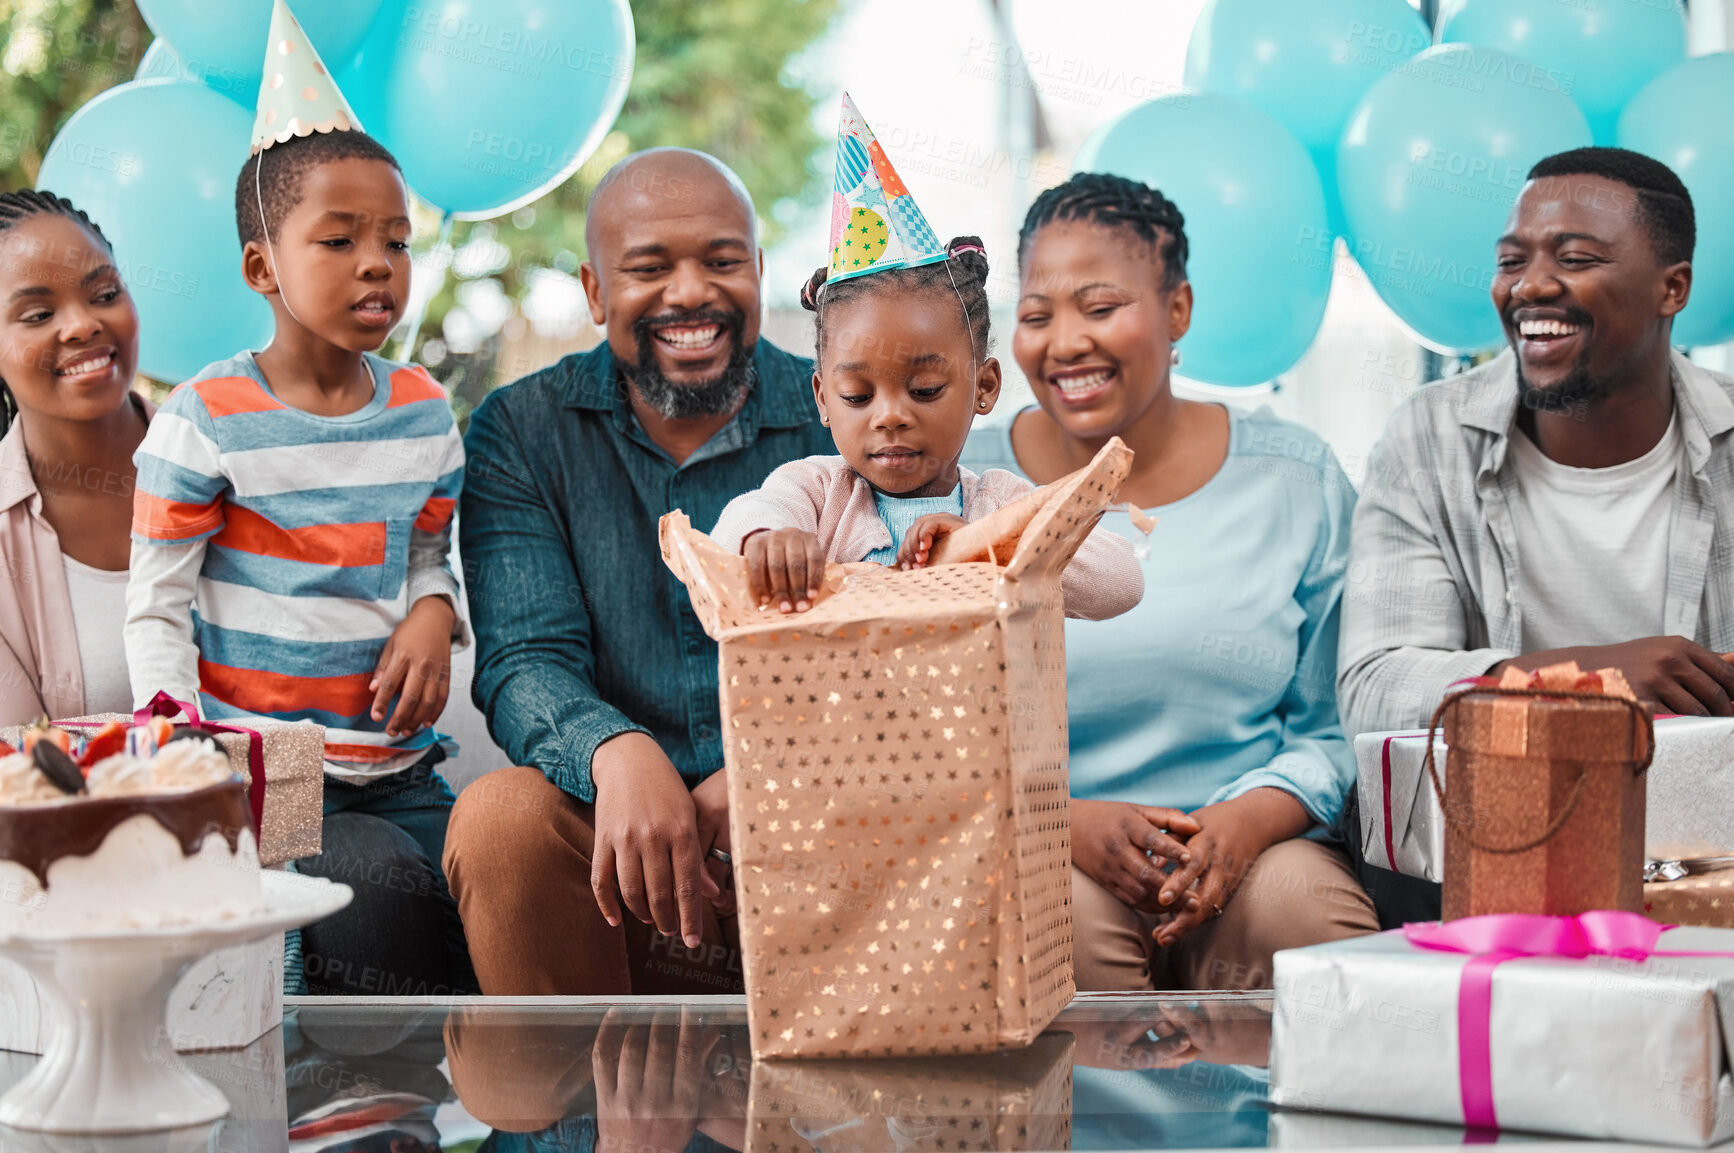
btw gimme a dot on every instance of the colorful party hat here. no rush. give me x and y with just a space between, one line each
874 222
298 96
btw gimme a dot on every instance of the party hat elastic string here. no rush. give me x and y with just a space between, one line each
297 97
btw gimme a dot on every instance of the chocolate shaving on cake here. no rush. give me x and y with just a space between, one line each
60 769
188 733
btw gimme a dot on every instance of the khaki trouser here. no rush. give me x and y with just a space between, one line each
518 861
1298 892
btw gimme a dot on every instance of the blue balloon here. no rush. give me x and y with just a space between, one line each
162 62
159 62
1306 62
1255 222
154 164
1428 169
488 105
1672 120
1601 54
222 42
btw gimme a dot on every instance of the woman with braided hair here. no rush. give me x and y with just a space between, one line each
68 350
1208 766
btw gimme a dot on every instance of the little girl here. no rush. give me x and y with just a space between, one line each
900 376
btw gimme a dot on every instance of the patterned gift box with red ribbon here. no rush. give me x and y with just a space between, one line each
1689 804
282 764
1601 1025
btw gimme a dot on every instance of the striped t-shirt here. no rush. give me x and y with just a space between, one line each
319 533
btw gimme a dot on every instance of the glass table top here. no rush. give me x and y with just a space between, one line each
492 1075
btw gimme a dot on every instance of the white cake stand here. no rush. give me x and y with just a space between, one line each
108 1064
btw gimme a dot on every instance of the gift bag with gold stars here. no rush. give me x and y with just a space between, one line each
898 797
930 1105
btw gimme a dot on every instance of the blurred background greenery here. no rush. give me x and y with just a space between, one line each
720 75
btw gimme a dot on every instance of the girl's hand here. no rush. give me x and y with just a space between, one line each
1123 847
918 542
416 663
785 567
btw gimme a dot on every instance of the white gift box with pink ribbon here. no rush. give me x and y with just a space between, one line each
1601 1026
1689 802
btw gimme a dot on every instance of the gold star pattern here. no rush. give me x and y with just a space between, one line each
898 777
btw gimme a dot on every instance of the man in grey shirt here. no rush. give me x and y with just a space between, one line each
1572 499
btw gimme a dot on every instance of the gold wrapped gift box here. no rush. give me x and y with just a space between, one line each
1706 899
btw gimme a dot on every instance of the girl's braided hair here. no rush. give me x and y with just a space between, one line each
962 275
16 207
1110 201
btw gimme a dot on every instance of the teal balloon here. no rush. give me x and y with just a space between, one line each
1428 169
1255 221
488 104
1699 147
1306 62
1601 52
161 62
221 43
154 164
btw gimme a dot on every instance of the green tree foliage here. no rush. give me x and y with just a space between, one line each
56 55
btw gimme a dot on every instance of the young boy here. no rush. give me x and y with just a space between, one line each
291 529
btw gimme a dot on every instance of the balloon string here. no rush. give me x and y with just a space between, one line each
419 305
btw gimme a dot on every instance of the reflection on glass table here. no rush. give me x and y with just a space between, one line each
550 1076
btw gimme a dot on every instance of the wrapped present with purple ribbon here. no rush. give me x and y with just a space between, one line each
1605 1025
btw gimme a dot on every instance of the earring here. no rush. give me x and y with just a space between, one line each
1174 357
982 405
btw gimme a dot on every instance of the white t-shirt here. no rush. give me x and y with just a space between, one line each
99 614
1592 544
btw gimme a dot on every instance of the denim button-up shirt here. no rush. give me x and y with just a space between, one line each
582 633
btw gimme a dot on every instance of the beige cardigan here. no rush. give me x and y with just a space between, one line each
39 668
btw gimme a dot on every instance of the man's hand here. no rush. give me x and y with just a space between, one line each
416 663
926 532
785 567
650 1071
1232 835
647 846
1112 842
1669 673
711 800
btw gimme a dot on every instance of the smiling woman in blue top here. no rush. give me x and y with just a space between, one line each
1204 732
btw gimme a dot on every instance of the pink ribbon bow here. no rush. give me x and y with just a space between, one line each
163 705
1493 940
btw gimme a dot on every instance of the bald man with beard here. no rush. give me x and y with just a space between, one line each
599 865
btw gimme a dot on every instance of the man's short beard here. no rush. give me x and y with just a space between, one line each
1577 391
711 397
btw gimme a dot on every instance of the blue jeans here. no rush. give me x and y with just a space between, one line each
401 935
